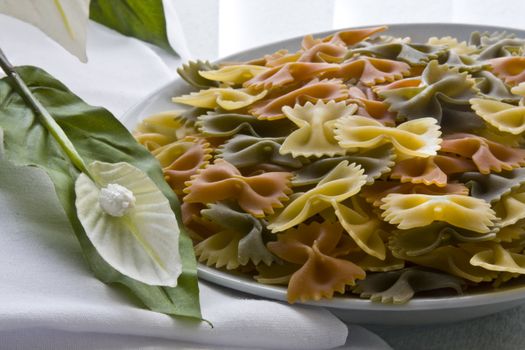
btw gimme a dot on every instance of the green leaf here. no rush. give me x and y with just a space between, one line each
142 19
97 135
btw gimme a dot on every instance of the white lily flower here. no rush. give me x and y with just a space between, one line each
64 21
130 222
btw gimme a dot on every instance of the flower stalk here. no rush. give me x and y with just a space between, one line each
45 117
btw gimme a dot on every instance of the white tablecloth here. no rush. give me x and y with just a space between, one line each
48 298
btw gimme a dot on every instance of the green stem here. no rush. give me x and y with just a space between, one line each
45 118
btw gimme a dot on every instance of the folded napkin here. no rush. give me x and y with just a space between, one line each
48 297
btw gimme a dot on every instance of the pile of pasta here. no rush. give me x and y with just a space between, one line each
362 163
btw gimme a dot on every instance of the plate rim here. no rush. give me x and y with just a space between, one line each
254 288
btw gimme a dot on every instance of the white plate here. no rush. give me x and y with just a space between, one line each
420 310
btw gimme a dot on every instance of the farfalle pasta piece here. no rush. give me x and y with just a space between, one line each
511 233
414 138
502 48
496 258
380 189
323 52
422 240
364 226
157 130
163 128
373 264
257 195
215 124
433 170
459 47
413 54
487 155
325 90
190 73
370 106
198 227
453 260
233 74
443 94
503 116
398 84
398 287
290 73
220 250
506 139
504 277
509 69
511 207
482 40
343 38
321 274
417 210
375 162
385 39
462 62
226 98
493 88
251 246
315 136
279 58
458 53
491 187
182 159
244 151
370 71
344 181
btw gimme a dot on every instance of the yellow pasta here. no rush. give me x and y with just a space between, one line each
496 258
236 74
227 98
417 210
315 135
503 116
415 138
341 183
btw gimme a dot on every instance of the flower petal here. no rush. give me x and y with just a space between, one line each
144 243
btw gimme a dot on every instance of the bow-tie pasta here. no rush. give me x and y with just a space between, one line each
496 258
503 116
180 160
233 75
325 90
356 157
433 170
315 136
380 189
258 194
230 124
510 69
322 273
413 54
442 94
415 138
487 155
417 210
227 98
397 287
370 71
191 73
290 73
341 183
375 162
